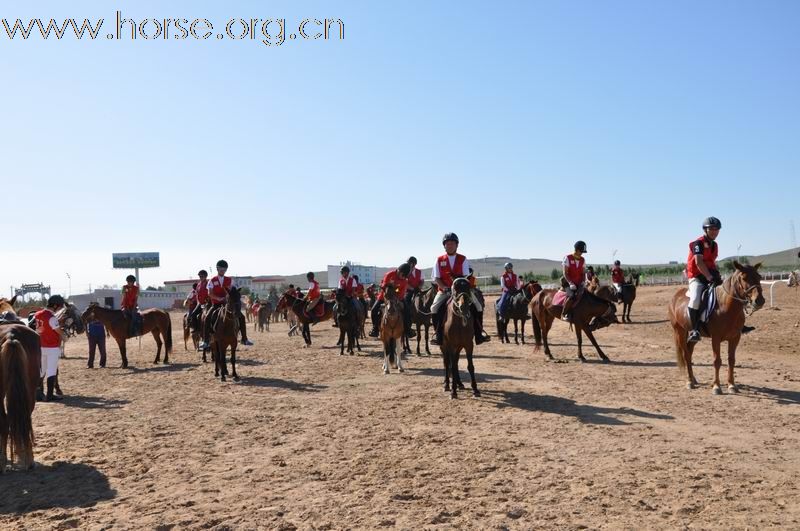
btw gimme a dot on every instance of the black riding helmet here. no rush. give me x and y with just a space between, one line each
344 269
310 275
222 263
405 269
580 245
412 260
55 300
202 273
130 278
712 223
450 236
616 262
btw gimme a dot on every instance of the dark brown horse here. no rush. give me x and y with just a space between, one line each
154 321
391 330
421 315
224 334
738 294
590 313
459 334
350 316
297 306
20 359
517 310
188 332
264 316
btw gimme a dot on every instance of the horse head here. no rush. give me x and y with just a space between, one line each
462 299
233 302
70 320
341 301
746 285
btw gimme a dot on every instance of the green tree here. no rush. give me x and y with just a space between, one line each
555 274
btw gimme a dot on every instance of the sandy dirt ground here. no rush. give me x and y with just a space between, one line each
313 440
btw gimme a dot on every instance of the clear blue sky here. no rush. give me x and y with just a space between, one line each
522 126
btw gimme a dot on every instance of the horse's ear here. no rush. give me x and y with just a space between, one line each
737 265
13 300
757 266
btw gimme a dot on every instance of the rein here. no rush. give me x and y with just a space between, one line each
749 305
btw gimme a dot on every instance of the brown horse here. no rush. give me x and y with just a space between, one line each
297 306
590 313
740 293
188 332
392 328
459 334
350 316
224 334
421 315
264 316
517 310
20 360
154 321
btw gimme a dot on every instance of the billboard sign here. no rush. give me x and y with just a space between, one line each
134 260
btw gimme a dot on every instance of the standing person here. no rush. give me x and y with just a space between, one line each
96 334
510 284
701 268
618 278
446 269
573 269
218 288
50 335
130 300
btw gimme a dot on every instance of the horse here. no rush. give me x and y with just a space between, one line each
590 313
421 315
516 309
459 334
392 328
739 294
794 279
154 320
248 305
593 285
350 314
20 362
264 316
297 305
188 332
225 333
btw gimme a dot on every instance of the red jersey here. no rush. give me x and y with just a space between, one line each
449 275
360 291
313 291
48 337
706 248
218 289
509 281
473 282
348 284
130 294
617 275
192 299
202 292
574 269
415 279
393 278
371 292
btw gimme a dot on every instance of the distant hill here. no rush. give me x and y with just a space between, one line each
785 258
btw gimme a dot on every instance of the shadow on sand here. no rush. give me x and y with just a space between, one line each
93 402
259 381
60 485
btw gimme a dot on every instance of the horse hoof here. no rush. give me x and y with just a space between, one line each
461 387
236 379
453 396
476 393
689 385
401 370
581 359
385 371
733 389
716 390
605 359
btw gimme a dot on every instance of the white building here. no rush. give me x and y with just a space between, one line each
366 274
112 298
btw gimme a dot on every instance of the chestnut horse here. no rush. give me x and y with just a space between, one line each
188 332
627 296
224 334
459 335
297 306
154 321
590 313
391 328
20 359
740 293
516 309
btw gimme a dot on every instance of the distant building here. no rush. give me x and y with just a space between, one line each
366 274
112 298
259 285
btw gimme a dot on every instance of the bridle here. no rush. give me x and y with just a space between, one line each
749 305
463 313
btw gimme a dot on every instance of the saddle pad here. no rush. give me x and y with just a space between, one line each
559 298
708 303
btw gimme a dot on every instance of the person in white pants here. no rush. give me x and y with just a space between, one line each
50 335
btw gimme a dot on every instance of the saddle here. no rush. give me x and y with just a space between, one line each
708 303
135 325
9 317
318 310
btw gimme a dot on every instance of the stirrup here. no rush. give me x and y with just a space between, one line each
694 336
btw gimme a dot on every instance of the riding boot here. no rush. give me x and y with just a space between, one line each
51 382
694 333
375 316
407 320
566 312
335 316
40 397
206 332
243 330
437 320
477 324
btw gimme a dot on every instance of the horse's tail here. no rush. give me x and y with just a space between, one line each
168 335
537 333
14 363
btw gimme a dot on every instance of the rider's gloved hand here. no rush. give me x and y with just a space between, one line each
572 286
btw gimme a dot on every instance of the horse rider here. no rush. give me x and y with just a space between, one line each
447 268
349 284
701 268
572 281
50 336
399 279
191 299
618 279
590 274
130 296
218 288
473 282
415 283
312 298
201 294
510 284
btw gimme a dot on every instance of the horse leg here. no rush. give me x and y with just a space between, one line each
454 375
3 431
715 346
688 350
122 352
732 344
427 344
545 331
341 340
223 365
400 357
600 353
158 346
579 335
419 337
233 362
385 357
307 334
516 333
471 369
523 331
446 362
